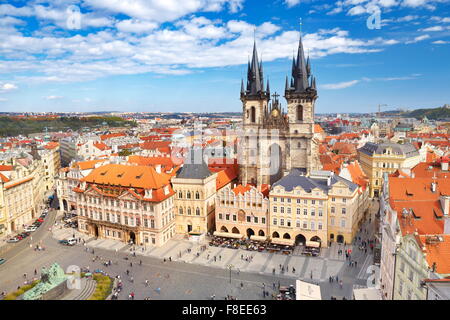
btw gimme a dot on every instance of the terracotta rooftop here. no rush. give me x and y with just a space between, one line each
437 252
144 177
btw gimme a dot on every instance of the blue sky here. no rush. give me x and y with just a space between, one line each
190 55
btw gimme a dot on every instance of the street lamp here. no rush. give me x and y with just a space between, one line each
230 266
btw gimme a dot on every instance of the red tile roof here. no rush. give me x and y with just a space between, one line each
112 135
438 252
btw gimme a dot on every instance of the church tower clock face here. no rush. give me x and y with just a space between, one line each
275 113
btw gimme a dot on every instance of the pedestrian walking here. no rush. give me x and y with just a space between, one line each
242 285
213 297
140 262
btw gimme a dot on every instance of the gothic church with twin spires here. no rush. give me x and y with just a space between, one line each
275 142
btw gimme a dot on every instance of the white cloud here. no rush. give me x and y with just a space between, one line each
8 87
407 18
414 3
340 85
53 97
144 44
418 39
441 19
356 11
10 21
292 3
136 26
7 9
163 10
440 42
432 29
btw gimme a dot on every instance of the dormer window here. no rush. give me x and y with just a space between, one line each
148 193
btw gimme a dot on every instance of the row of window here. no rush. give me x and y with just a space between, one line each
288 210
298 224
188 195
127 204
117 218
189 211
249 219
305 201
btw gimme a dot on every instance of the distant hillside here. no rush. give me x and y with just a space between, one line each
432 114
13 126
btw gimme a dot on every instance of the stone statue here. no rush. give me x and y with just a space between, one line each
50 278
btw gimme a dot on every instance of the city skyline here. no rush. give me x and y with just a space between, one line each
191 56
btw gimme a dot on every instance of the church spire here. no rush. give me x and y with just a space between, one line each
255 76
308 67
300 73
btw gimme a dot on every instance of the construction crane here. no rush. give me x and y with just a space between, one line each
379 109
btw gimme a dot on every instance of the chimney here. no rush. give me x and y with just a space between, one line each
433 187
158 168
444 165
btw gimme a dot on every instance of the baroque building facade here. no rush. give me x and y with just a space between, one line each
274 142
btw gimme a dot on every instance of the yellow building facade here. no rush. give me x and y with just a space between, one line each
377 159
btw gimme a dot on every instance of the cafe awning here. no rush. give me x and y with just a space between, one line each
314 244
258 238
228 235
284 242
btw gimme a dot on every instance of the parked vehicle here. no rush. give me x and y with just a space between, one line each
13 240
31 228
68 242
2 261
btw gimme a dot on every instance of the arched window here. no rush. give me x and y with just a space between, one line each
189 211
197 195
188 195
180 194
197 211
181 210
299 113
253 114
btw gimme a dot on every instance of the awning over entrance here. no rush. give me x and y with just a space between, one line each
258 238
228 235
314 244
284 242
